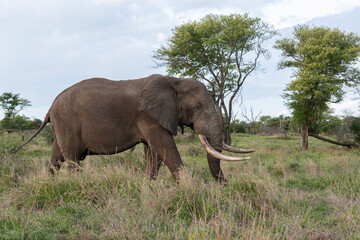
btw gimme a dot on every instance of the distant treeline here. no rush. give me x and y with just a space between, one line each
19 123
346 128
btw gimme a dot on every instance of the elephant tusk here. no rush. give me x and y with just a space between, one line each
236 150
204 142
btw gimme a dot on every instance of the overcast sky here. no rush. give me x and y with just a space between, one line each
46 46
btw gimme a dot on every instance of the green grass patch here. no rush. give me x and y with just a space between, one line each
280 193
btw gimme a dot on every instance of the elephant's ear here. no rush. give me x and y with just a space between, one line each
158 99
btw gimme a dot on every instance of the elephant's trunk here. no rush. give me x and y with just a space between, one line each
212 136
212 142
208 127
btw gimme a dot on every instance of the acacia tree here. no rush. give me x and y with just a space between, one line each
12 104
323 61
219 50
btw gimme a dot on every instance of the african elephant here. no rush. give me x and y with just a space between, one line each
100 116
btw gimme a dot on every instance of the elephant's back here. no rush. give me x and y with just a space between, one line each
105 86
96 89
85 85
96 97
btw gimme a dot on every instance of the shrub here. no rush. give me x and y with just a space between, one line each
19 123
239 128
355 128
48 134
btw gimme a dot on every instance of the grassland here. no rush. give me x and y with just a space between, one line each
281 193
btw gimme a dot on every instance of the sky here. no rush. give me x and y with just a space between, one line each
48 45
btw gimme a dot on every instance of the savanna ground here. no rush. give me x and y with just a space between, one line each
280 193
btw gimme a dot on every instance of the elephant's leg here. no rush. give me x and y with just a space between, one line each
152 162
56 158
162 144
73 161
72 151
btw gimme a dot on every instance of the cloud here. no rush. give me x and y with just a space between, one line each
102 2
287 13
198 13
267 105
347 105
46 46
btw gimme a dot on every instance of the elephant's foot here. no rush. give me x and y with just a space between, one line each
73 167
53 170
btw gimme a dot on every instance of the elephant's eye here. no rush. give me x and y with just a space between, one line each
198 107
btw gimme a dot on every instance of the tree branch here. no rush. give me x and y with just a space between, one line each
349 145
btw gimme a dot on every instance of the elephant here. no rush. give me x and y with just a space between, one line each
100 116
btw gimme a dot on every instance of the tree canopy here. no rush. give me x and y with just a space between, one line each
323 60
219 50
12 104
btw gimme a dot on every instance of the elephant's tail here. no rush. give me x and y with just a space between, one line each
46 120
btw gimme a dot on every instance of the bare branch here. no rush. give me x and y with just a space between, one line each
252 119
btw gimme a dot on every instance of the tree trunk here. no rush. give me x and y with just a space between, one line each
234 129
283 134
226 119
227 134
349 145
304 137
222 121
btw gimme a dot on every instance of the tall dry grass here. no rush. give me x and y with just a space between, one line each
280 193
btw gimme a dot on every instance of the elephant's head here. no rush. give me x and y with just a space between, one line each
174 101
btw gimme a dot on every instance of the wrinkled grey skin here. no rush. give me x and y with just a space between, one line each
100 116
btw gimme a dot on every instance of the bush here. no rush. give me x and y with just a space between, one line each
355 128
239 128
48 134
19 123
332 125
